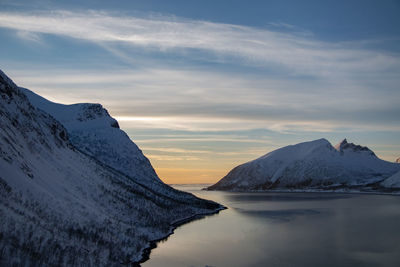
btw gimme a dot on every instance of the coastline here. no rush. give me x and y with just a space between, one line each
332 191
145 256
175 224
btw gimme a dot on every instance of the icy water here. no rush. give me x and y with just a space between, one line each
287 229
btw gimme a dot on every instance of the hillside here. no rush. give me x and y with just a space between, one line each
62 206
310 165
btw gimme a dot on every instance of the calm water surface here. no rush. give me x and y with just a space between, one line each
287 229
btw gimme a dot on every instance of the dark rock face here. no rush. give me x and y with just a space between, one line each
17 112
344 145
115 125
92 111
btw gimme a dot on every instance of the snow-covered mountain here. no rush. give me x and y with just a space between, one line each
393 181
316 164
95 132
60 205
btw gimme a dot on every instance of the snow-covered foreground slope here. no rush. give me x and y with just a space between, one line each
59 206
316 164
94 131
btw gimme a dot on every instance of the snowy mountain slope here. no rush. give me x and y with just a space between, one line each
59 206
393 181
315 164
94 131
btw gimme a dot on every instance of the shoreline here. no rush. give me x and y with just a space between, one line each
394 193
174 225
177 223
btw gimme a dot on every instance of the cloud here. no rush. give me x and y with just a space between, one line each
198 100
173 158
300 83
210 86
30 36
175 150
297 53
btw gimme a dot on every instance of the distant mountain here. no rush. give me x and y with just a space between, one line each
61 203
310 165
398 160
393 181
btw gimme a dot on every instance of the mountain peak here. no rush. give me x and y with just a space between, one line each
341 144
6 80
74 116
314 164
345 146
92 130
89 111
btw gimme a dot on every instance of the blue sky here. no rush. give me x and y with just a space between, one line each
202 86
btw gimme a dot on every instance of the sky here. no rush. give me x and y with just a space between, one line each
202 86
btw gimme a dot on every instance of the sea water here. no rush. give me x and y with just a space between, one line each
287 229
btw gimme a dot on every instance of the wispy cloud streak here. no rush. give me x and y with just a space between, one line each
343 92
201 100
296 52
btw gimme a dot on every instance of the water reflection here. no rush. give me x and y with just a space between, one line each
287 229
278 215
257 197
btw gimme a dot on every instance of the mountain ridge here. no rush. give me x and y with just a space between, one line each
95 132
62 207
313 164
